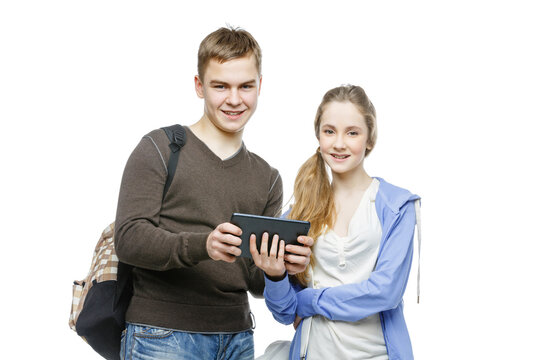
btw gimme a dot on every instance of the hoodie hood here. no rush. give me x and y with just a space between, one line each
393 196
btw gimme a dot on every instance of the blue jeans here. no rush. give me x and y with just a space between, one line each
140 342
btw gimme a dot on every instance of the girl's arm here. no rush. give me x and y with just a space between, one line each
382 291
280 298
278 293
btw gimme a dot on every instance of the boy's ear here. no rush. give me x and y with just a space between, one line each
199 87
260 84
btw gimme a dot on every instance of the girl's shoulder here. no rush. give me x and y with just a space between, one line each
393 196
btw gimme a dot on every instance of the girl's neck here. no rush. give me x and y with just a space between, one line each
358 180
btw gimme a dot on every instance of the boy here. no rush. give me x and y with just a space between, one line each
190 288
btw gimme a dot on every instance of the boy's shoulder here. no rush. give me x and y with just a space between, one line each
258 160
158 137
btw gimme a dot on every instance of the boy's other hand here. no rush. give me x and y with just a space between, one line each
223 241
298 258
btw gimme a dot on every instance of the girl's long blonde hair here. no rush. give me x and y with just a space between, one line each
313 193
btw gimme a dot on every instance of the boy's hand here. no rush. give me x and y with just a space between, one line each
298 259
272 264
223 242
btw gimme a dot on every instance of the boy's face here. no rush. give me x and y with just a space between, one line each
230 91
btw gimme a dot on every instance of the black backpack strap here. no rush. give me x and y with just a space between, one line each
177 137
124 289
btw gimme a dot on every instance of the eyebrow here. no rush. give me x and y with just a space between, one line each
354 127
219 82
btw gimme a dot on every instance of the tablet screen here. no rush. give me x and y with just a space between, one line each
287 229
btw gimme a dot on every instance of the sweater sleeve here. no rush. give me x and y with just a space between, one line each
383 290
139 240
272 208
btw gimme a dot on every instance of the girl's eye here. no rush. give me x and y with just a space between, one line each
353 133
328 131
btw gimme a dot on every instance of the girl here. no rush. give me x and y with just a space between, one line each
348 303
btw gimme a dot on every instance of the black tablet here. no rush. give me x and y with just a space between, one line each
287 229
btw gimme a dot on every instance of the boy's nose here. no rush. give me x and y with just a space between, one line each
234 98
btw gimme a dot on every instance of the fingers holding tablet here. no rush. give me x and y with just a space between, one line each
272 263
222 243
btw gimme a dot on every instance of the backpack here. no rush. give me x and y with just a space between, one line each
101 299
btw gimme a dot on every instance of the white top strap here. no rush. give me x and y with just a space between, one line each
304 337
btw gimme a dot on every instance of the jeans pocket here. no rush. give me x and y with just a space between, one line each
152 343
149 332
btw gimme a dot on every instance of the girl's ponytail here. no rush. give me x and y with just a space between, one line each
314 201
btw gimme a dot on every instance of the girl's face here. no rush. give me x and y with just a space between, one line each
343 137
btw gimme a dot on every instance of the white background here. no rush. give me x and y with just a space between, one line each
456 87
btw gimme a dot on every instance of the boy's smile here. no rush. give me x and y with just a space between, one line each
230 91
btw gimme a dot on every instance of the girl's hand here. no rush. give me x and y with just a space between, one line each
297 321
272 264
297 259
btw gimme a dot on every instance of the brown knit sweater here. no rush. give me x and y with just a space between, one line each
176 284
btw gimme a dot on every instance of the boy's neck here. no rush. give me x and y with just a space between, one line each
223 144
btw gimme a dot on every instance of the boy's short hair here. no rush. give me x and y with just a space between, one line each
226 44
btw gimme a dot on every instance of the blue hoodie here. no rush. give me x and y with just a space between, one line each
381 293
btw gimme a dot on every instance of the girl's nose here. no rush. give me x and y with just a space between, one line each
339 143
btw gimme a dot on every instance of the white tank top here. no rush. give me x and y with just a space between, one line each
346 260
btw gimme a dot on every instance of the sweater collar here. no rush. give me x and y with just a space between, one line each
230 161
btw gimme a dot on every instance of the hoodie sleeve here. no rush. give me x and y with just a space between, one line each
383 290
280 298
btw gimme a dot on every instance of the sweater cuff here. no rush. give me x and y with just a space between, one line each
196 248
307 302
276 290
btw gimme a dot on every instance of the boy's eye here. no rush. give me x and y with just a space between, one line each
247 86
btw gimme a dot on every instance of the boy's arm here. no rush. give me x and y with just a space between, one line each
382 291
137 217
